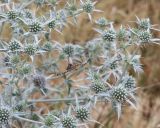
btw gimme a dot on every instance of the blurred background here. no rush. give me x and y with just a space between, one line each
121 12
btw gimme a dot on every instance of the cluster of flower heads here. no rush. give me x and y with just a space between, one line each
104 62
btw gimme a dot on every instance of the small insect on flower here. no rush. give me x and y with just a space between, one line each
68 122
109 35
4 115
82 114
144 36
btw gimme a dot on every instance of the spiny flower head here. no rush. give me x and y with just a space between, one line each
121 34
129 82
68 122
14 45
82 114
4 115
71 7
52 24
12 15
109 35
25 69
102 22
39 81
119 94
144 24
144 36
15 59
30 49
35 27
48 46
98 86
88 6
49 120
68 50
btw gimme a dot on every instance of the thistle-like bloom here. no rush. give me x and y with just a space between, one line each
14 59
102 22
30 49
128 82
4 115
119 95
98 86
68 122
144 36
71 8
144 24
89 7
82 114
14 46
109 35
122 34
49 121
135 62
48 46
12 15
35 27
25 70
68 49
39 81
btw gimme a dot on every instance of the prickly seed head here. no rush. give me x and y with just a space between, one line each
68 122
35 27
82 114
109 35
119 94
39 81
4 115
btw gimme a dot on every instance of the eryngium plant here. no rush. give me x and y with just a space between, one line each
31 64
